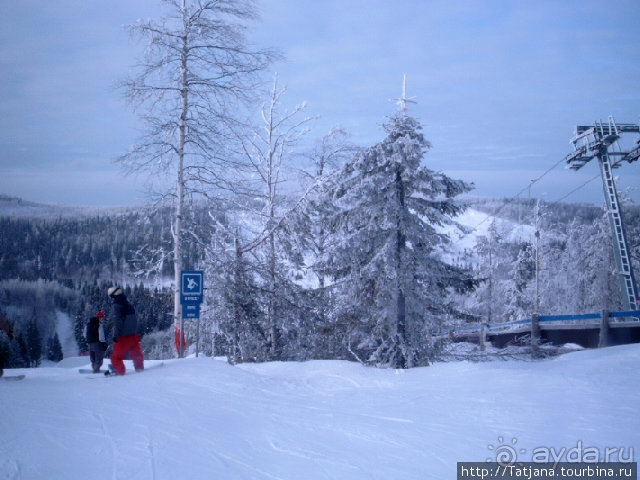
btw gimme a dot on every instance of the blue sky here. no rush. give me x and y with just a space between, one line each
500 85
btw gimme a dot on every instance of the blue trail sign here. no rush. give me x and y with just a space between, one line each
191 292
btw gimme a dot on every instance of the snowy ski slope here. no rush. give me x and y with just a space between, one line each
204 419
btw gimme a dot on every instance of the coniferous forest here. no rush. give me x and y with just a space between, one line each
368 264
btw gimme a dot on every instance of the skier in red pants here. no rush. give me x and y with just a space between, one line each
125 333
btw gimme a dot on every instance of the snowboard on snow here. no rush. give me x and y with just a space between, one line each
9 378
111 372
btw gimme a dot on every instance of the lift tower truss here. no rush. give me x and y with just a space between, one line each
600 141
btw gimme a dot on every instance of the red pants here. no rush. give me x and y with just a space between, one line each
129 344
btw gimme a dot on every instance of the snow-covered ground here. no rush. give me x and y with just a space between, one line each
478 224
204 419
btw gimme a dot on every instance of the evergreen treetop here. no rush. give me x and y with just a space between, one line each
386 236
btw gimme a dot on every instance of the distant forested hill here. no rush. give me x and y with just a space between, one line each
55 266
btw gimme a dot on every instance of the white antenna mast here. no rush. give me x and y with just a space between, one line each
404 100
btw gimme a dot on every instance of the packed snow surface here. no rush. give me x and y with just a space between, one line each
205 419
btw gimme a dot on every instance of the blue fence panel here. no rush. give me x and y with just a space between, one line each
585 316
628 313
506 324
469 329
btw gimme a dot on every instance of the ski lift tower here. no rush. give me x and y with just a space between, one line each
600 141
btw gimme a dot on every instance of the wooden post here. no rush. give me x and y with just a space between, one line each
482 340
603 340
198 337
535 335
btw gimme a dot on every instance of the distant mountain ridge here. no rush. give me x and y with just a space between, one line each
11 206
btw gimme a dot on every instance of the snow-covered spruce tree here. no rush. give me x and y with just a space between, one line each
553 288
313 218
390 285
54 349
245 322
329 154
590 268
19 353
198 68
233 322
79 324
491 250
518 288
34 344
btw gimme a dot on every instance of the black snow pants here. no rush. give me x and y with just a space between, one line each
96 354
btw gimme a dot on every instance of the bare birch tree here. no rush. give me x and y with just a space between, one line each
197 68
266 152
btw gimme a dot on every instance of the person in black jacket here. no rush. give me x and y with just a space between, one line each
97 340
125 333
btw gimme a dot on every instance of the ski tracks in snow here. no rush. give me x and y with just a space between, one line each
112 443
11 470
151 448
150 445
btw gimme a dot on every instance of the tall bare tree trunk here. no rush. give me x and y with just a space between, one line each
273 328
196 68
177 239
